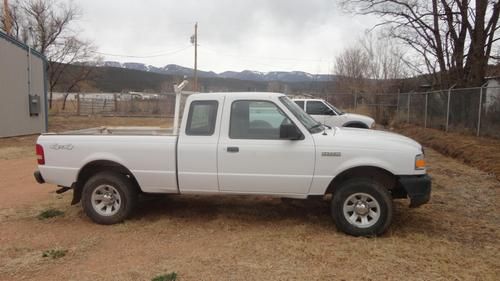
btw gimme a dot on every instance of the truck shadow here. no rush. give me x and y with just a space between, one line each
261 210
243 208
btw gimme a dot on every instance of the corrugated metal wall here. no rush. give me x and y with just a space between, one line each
15 118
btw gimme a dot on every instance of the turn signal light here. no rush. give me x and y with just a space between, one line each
419 162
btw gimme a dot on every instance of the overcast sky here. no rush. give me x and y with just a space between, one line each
262 35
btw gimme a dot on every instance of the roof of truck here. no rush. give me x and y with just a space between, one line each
307 99
247 95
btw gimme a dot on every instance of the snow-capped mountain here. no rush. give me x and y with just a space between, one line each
173 69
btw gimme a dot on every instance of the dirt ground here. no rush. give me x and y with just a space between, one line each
454 237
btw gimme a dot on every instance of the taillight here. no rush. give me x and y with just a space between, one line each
40 156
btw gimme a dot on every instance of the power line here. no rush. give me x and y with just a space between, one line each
144 56
266 58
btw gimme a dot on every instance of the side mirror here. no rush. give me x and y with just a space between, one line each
330 112
290 132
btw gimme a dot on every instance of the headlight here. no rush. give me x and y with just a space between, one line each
419 162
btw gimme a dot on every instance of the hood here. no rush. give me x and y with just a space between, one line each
365 119
369 139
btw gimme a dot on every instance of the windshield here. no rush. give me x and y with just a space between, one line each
312 125
338 111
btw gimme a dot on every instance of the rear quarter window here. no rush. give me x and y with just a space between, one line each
201 118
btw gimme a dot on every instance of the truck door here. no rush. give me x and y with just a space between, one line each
197 146
253 158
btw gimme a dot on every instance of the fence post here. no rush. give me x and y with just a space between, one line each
426 103
78 104
116 103
448 108
408 116
397 105
480 108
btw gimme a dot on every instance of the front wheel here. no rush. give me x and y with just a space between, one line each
108 198
362 207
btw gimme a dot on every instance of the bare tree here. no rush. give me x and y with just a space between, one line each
386 59
74 52
371 65
46 26
454 38
351 68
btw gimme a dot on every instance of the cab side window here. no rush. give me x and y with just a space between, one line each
317 108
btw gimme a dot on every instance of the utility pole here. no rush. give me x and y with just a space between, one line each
6 14
195 56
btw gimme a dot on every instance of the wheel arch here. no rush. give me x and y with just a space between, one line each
96 166
381 175
355 124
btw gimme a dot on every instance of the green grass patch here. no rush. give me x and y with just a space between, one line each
172 276
54 254
49 213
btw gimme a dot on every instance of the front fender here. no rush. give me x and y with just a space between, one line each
325 174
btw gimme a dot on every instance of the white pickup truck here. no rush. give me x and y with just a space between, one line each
327 114
239 143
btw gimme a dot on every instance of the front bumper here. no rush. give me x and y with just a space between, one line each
418 189
38 177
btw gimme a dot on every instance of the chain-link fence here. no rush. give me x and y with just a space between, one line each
469 110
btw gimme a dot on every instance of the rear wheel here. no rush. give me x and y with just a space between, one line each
108 198
362 207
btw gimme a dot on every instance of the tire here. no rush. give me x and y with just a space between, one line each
108 198
362 207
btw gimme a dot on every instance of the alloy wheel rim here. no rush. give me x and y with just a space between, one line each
361 210
106 200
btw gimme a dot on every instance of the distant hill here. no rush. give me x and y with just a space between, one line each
173 69
117 77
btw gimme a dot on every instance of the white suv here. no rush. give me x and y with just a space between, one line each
327 114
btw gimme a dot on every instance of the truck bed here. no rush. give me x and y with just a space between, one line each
120 131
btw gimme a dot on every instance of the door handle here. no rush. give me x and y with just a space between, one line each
233 149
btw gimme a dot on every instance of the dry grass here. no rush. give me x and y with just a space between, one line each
483 153
454 237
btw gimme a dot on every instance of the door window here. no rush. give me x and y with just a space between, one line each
317 108
256 120
201 118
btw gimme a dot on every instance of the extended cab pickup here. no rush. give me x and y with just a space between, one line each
239 143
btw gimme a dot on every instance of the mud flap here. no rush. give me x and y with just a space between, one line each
77 193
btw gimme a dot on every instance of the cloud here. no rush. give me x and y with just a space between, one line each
233 35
